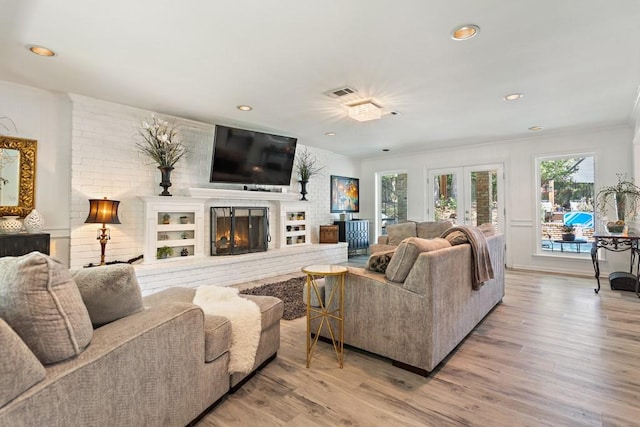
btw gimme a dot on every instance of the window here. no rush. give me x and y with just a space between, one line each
393 199
565 204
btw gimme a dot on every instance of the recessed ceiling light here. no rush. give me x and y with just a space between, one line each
513 96
41 50
535 128
244 107
330 133
465 32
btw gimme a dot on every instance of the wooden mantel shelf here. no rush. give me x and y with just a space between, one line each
216 193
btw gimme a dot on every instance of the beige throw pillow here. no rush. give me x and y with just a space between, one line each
42 304
109 292
407 253
398 232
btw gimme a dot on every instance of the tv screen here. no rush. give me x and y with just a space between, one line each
247 157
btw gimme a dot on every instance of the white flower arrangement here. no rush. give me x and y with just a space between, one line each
159 142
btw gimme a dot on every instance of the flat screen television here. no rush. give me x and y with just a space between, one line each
243 156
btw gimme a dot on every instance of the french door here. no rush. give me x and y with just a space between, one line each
470 195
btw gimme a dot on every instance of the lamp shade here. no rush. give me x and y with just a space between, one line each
103 211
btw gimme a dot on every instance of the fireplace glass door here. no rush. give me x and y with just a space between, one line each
239 230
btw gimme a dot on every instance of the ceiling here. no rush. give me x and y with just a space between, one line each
577 62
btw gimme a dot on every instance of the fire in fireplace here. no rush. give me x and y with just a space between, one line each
239 230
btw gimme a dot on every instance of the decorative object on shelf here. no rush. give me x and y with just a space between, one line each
184 235
10 225
306 167
184 220
166 219
159 144
624 197
184 252
345 194
164 252
34 222
163 236
616 227
568 233
103 211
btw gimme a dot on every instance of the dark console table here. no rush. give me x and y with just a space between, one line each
22 244
617 243
355 233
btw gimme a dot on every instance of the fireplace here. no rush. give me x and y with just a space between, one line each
239 230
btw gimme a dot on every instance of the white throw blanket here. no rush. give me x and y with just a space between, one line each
245 319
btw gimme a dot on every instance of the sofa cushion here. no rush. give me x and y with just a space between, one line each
407 253
398 232
42 304
431 229
19 367
379 261
109 292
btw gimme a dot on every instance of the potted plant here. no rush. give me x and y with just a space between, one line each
160 145
568 233
306 167
624 197
164 252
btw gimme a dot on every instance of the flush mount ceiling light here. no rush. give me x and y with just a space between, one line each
244 107
364 111
41 50
465 32
330 133
535 128
513 96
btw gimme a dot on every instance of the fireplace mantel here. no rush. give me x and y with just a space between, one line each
217 193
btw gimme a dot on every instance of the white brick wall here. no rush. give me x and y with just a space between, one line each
105 162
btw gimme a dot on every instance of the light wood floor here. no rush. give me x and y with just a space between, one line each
552 354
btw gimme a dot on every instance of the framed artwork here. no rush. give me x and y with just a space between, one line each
345 194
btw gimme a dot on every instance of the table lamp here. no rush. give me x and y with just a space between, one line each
103 211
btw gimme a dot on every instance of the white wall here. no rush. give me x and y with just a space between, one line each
45 116
614 154
105 162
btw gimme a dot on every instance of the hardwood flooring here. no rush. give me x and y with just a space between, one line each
552 354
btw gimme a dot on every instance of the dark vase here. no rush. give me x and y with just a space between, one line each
303 190
166 179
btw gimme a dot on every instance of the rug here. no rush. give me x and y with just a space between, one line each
290 292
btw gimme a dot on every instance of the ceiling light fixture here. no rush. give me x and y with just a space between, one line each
244 107
364 111
330 133
385 149
535 128
41 50
465 32
513 96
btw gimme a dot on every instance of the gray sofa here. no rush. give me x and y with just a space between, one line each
418 322
160 362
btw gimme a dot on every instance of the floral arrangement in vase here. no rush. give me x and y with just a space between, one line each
160 143
306 167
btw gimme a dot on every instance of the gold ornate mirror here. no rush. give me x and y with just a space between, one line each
17 175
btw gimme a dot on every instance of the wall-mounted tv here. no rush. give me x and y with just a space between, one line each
247 157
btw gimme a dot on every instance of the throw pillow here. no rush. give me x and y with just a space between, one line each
110 292
19 367
431 229
457 238
42 304
378 261
407 253
488 229
398 232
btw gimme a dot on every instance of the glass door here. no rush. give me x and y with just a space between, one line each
470 195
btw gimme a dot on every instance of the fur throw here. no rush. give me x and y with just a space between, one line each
245 318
